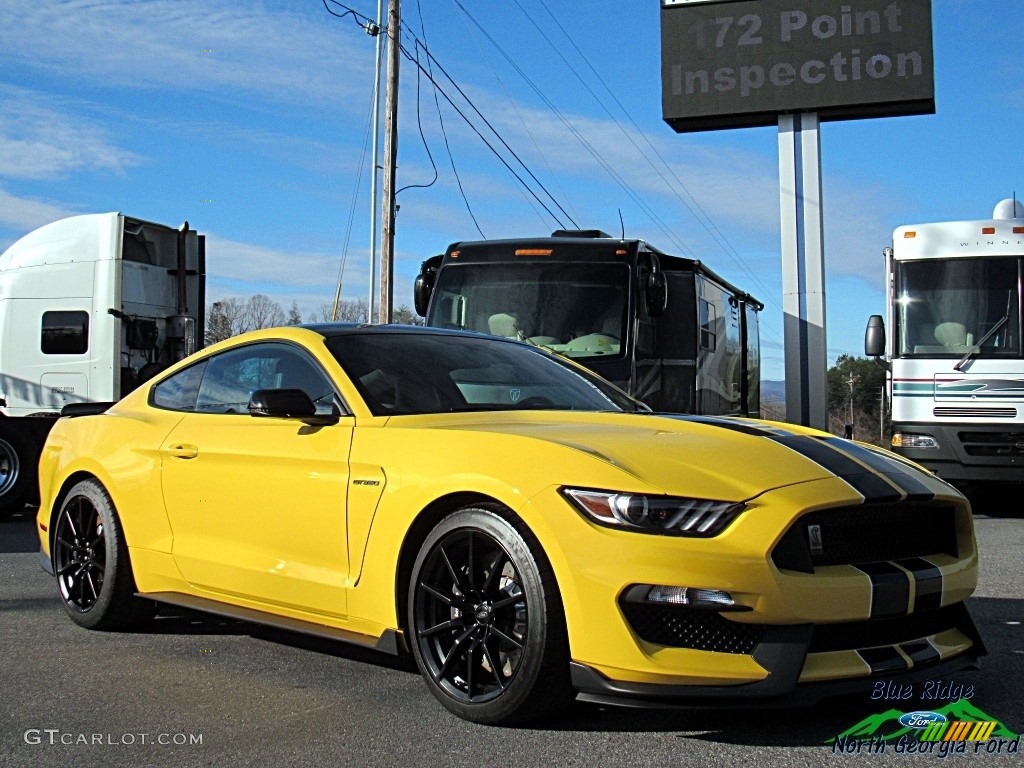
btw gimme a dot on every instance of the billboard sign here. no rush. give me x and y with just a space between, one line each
741 63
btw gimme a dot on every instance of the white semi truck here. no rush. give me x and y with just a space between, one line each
90 307
954 353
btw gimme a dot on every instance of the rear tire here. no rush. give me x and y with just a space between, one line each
485 620
90 561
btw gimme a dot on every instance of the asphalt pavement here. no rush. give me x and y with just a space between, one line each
196 690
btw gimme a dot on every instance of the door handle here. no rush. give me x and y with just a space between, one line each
183 450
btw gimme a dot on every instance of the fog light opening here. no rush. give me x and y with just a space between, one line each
693 597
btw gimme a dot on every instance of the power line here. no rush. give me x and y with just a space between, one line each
439 89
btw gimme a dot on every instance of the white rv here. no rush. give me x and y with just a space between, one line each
90 307
954 349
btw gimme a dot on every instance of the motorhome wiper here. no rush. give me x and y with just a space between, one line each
977 347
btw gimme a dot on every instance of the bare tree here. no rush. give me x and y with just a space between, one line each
406 316
263 312
232 316
349 311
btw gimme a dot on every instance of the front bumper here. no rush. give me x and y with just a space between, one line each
975 453
790 655
883 596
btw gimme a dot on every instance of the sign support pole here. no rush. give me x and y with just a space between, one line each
803 269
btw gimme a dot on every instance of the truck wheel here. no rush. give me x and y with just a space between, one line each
15 473
90 560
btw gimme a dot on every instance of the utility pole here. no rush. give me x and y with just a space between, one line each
375 32
387 263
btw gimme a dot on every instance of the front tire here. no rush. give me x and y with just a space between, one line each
485 620
90 560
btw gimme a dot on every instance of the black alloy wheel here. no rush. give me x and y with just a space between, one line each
485 620
80 554
90 561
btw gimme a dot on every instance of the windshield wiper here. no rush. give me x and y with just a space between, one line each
977 347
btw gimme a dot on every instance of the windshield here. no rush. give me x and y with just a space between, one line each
412 373
947 307
577 309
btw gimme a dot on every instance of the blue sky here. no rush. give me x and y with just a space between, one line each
250 120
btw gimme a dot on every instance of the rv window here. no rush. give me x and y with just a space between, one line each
708 335
65 333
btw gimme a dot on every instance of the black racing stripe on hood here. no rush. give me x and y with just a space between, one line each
891 468
875 477
746 427
868 484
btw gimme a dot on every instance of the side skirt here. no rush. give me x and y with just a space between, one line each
391 642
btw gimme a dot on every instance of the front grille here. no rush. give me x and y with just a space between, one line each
681 627
972 413
892 631
867 534
1009 445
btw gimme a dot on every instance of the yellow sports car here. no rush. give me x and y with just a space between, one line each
526 530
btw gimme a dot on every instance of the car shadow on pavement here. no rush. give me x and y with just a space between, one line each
18 532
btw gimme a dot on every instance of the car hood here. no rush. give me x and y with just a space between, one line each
747 456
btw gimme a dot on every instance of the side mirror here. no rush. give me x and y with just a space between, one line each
286 404
656 294
424 284
874 337
421 291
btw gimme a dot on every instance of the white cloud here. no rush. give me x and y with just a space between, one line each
22 215
41 137
191 45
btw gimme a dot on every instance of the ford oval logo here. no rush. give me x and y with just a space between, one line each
921 719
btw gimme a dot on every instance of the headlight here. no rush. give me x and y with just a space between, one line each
671 515
910 440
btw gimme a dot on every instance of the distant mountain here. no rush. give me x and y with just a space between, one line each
773 391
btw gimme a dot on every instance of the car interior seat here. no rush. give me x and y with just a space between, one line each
505 325
612 326
951 334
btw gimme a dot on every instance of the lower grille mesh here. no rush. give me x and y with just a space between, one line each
680 627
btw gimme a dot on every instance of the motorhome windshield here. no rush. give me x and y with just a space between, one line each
958 307
577 309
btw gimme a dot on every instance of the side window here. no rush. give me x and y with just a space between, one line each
232 377
179 392
708 337
65 333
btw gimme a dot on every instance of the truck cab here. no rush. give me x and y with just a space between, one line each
91 306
